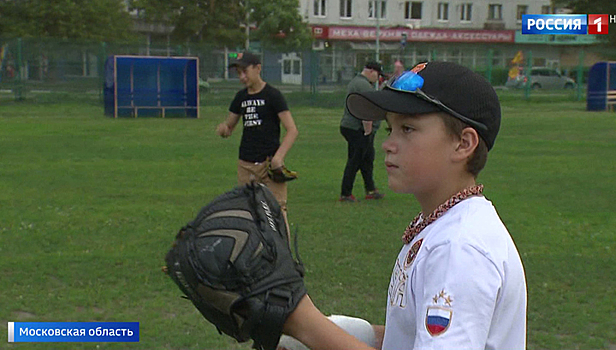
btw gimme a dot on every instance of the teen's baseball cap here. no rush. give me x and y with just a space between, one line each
245 59
455 86
374 65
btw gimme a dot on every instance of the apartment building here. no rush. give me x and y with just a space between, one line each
476 33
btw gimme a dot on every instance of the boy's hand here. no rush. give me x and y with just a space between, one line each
367 127
223 130
276 162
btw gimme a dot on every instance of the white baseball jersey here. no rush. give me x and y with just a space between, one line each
458 285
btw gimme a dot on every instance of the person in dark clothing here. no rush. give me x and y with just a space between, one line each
360 138
262 109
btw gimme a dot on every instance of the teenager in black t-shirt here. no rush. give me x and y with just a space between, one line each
262 109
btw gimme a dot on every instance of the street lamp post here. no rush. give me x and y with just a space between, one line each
378 28
247 44
378 37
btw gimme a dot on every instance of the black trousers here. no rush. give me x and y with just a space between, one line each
360 157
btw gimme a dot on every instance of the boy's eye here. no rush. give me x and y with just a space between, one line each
406 129
388 129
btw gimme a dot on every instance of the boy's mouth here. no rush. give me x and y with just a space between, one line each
390 165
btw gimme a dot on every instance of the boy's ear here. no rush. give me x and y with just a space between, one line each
469 140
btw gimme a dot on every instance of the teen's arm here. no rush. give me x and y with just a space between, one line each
363 87
357 327
308 325
287 141
225 129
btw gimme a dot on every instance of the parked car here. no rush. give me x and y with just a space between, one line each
542 78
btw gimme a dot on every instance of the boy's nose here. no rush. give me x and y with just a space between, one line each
388 146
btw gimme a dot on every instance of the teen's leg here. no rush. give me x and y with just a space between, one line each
245 172
367 165
354 158
248 171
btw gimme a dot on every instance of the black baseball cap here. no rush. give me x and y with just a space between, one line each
245 59
455 86
375 65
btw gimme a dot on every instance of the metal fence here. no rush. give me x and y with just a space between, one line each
34 67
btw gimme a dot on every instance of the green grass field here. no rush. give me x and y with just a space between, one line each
90 205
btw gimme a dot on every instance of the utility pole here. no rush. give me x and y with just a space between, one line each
378 37
378 28
247 44
247 24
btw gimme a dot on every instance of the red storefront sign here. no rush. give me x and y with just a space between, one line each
429 35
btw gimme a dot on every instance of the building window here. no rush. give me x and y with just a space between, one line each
380 6
443 11
545 10
412 10
346 7
454 55
297 67
466 12
495 12
522 10
319 8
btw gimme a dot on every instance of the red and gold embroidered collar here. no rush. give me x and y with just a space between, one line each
419 223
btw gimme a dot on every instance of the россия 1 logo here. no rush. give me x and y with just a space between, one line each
598 24
566 24
554 24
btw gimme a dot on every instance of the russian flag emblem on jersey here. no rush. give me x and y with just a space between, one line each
437 320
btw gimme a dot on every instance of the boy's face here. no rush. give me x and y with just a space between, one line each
418 151
249 76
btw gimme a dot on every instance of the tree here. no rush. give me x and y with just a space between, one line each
67 19
198 20
277 23
280 25
598 7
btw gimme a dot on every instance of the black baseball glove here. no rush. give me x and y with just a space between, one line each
235 264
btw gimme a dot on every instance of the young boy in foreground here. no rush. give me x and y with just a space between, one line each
458 281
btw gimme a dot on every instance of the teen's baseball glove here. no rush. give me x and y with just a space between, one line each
281 174
235 264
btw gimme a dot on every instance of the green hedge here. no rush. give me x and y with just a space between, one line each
499 75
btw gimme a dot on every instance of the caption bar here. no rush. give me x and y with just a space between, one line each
35 332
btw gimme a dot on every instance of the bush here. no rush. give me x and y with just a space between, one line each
499 75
